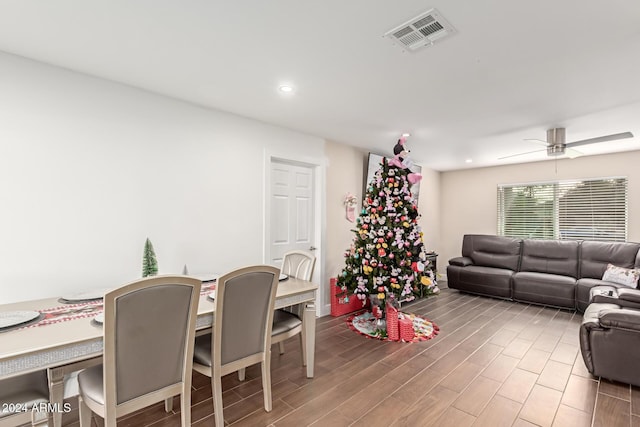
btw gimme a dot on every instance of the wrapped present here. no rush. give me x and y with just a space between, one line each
405 325
343 303
393 331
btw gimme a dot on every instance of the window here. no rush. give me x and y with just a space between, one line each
593 209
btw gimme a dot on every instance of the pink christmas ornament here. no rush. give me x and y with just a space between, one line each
414 178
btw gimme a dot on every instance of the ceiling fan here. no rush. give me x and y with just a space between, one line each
556 145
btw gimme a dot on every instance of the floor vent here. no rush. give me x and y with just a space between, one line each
423 30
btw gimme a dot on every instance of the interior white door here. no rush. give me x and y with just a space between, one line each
292 209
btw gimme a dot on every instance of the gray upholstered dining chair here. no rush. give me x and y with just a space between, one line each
18 395
288 323
241 332
149 331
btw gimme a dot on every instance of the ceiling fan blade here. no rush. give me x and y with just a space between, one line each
614 137
521 154
537 141
572 154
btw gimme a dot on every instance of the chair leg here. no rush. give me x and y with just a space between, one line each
168 404
216 385
241 374
39 418
266 380
185 408
281 344
303 347
84 413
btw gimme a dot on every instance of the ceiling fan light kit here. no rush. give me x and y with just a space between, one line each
556 138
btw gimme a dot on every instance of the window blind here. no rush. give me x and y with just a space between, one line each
592 209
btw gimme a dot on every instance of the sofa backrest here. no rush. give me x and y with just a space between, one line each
550 256
492 251
595 256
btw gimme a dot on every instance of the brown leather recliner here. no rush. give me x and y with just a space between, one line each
610 334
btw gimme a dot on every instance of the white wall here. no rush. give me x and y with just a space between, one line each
345 174
89 169
429 208
469 197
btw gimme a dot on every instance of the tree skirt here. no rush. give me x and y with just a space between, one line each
364 323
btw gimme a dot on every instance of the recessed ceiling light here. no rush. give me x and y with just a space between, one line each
406 135
286 88
469 161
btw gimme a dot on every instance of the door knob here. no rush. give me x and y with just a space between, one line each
312 248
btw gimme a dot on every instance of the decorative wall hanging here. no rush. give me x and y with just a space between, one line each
350 203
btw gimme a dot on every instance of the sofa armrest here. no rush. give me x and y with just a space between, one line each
624 297
631 295
591 323
591 317
461 261
610 316
620 319
607 335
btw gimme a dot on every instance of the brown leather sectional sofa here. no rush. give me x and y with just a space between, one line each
557 273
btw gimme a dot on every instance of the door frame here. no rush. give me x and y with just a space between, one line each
319 194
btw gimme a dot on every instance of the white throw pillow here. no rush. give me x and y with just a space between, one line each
622 276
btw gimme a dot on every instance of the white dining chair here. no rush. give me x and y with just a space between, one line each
287 323
149 333
19 394
298 264
241 335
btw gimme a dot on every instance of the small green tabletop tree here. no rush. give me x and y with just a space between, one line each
149 261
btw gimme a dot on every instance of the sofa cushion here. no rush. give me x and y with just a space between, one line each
480 280
543 288
595 256
550 256
492 251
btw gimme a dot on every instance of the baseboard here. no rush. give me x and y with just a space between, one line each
325 310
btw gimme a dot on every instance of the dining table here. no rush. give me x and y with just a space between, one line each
66 338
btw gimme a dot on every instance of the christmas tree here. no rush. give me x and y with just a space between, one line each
149 262
387 257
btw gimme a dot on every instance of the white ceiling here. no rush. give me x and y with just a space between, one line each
512 70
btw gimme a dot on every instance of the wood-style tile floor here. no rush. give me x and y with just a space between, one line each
494 363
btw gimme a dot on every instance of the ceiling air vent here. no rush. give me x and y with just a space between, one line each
423 30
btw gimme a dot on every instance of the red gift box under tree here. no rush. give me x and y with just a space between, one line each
342 302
